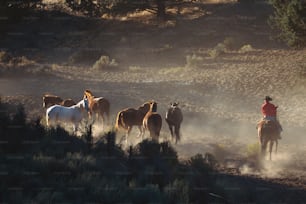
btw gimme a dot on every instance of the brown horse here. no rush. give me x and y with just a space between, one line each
67 102
268 132
129 117
97 106
50 100
174 118
153 121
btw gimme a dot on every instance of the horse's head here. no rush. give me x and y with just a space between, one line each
174 105
144 108
153 106
88 94
85 103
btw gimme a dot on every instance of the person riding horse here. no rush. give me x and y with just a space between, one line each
269 112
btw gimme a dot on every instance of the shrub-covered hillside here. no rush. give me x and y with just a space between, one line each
49 165
42 165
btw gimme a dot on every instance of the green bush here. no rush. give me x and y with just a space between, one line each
290 19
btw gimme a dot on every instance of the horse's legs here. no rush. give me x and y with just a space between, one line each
261 143
270 149
107 117
141 132
75 127
177 133
171 131
276 145
101 117
129 129
94 117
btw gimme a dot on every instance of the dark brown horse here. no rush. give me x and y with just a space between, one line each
67 102
50 100
268 132
153 121
97 107
129 117
174 118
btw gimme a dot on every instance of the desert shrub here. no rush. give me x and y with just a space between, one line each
102 172
218 50
153 163
194 61
85 56
105 63
252 150
246 48
177 192
5 57
200 178
147 194
289 18
229 43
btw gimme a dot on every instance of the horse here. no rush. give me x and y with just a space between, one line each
67 102
129 117
97 106
174 118
268 132
50 100
152 121
73 114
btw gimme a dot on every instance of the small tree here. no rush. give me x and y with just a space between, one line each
290 18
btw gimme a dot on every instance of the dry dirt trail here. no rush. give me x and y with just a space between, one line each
220 97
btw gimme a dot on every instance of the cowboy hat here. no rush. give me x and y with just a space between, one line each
268 98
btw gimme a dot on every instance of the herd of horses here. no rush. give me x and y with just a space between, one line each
145 117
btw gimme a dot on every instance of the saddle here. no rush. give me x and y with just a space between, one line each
266 123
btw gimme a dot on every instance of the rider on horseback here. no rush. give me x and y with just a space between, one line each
269 111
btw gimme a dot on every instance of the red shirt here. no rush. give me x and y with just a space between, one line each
268 109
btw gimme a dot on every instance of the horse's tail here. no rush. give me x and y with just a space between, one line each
47 117
118 121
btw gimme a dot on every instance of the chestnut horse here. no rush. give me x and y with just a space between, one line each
129 117
268 132
174 118
97 106
153 121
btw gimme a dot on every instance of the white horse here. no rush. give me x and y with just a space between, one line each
73 114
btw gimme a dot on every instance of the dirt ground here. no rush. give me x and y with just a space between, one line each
220 95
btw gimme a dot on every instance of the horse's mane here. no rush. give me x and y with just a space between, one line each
153 106
88 95
88 92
